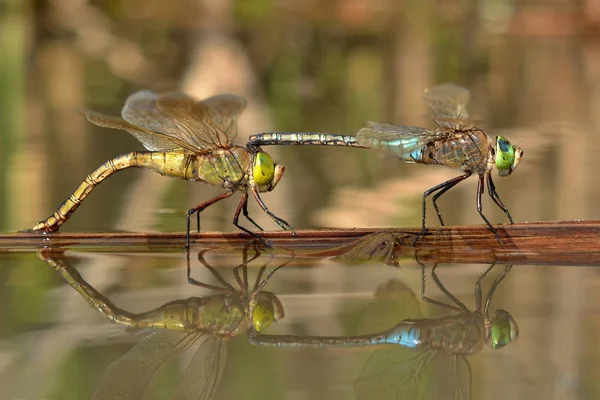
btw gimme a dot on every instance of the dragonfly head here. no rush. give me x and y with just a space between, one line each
267 310
508 156
504 329
266 172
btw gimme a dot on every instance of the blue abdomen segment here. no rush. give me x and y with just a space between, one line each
405 334
409 150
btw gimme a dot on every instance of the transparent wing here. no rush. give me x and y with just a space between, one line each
204 371
400 140
380 246
401 373
448 103
202 124
394 301
151 140
130 376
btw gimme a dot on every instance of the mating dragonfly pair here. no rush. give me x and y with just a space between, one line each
194 140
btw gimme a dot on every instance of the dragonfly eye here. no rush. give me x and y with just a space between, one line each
267 310
504 329
507 156
264 169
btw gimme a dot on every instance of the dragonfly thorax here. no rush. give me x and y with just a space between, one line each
468 150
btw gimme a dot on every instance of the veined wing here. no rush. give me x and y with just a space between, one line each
448 103
424 374
152 141
201 124
404 141
379 246
131 376
202 375
394 301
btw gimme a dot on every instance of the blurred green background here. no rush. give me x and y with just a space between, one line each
533 68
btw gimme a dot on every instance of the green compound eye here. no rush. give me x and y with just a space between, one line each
263 317
504 329
264 169
267 310
505 156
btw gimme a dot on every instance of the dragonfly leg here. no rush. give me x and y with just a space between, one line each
245 212
480 208
458 305
444 190
243 280
198 209
494 195
281 222
478 289
226 286
259 285
236 218
495 284
430 300
443 187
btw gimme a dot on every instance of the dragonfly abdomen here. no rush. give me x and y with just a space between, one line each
175 164
69 206
406 334
302 138
96 300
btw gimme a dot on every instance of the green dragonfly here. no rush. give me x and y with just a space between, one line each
176 326
186 139
456 143
428 360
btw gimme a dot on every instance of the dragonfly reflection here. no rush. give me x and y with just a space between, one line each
456 143
176 326
428 360
186 139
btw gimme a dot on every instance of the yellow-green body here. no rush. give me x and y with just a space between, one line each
228 168
226 315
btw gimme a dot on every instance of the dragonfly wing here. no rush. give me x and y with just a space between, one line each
381 246
151 140
450 378
204 371
405 141
394 301
130 376
402 373
390 375
201 124
448 103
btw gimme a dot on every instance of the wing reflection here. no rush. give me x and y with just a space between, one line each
176 326
386 247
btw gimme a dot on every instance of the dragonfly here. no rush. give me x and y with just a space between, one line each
186 139
428 357
456 143
176 326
